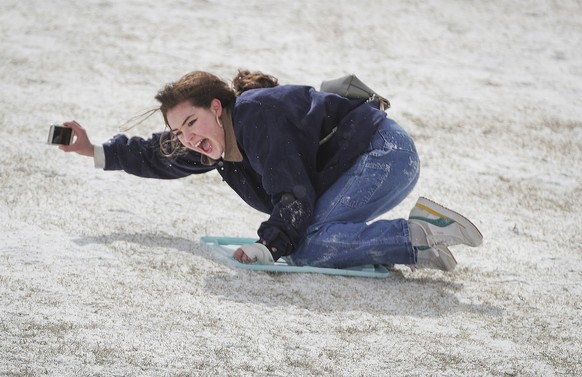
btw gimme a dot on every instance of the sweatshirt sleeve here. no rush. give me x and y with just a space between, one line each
142 158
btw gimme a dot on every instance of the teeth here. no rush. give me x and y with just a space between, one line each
197 145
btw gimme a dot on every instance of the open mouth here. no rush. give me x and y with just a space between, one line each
204 146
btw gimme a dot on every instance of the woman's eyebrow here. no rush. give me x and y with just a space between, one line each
185 120
183 123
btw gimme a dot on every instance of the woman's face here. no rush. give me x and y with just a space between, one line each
198 128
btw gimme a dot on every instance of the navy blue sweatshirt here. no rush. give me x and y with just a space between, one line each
295 142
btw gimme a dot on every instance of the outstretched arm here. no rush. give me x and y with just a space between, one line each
136 156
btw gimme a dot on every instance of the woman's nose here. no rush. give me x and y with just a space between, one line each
187 135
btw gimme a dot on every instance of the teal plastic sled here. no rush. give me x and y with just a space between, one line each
225 246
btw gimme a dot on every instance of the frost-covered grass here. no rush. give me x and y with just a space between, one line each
101 273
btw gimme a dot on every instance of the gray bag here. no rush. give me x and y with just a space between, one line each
351 87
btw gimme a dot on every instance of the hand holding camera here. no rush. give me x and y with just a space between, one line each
71 137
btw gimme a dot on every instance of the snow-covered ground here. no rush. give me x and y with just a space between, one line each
101 273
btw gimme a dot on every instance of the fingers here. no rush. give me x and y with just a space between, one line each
74 125
81 144
78 131
240 256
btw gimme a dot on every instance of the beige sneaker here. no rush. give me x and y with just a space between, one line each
444 227
437 257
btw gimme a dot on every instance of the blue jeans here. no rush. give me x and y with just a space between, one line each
340 235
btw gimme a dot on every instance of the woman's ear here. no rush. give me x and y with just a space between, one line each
216 107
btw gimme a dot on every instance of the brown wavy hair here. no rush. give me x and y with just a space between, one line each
199 88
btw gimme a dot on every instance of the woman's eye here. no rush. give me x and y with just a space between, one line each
191 123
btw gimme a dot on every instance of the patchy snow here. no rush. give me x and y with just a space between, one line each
101 273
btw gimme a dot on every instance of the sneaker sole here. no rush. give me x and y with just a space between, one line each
469 230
